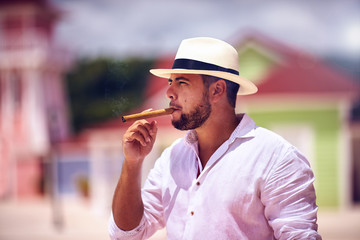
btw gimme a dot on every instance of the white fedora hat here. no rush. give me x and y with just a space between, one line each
208 56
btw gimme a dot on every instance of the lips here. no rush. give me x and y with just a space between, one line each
177 110
175 106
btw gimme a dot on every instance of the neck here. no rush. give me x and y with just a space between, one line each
214 132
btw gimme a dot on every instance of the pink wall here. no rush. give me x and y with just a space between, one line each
28 178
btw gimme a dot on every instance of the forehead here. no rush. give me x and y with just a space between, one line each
188 77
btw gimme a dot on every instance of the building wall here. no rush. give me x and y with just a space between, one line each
253 64
33 112
325 124
29 179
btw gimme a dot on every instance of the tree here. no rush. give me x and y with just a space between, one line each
102 89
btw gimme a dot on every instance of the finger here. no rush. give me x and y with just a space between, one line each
136 136
153 128
144 123
144 128
144 131
138 123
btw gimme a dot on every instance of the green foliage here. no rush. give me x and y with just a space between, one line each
103 88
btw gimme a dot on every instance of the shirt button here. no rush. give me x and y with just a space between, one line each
192 213
198 183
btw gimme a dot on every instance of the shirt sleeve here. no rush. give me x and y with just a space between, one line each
289 199
118 234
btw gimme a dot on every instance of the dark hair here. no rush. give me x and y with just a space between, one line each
231 87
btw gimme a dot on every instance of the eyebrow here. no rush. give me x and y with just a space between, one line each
182 78
179 79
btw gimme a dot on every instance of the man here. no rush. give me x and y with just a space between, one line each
227 178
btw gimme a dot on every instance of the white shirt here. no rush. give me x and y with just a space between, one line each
255 186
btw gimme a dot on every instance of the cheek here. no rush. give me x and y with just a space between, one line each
191 99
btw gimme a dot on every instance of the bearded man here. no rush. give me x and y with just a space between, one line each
227 178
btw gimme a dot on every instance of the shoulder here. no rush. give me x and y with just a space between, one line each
270 138
278 146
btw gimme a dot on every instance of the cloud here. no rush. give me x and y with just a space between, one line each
120 27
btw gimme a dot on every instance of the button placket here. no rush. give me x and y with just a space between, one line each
193 200
193 203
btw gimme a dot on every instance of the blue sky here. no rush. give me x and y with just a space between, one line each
150 28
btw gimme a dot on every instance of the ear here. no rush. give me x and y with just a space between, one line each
218 90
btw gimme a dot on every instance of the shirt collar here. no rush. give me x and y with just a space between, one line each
245 129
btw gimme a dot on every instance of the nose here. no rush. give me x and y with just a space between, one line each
170 92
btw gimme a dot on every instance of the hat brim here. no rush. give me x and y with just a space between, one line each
246 86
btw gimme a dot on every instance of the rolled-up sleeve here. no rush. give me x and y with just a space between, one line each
117 234
289 198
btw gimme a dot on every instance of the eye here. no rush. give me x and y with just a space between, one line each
170 82
183 83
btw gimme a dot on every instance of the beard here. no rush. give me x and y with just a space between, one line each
196 117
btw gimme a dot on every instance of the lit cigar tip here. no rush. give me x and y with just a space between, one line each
123 119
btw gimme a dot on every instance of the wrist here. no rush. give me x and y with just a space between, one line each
132 165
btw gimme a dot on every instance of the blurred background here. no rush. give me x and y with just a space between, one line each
70 68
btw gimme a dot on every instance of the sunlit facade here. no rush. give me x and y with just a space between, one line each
33 110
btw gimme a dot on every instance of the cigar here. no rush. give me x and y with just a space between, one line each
143 115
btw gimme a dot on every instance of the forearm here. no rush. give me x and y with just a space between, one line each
127 206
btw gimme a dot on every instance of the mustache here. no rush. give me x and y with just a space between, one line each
174 105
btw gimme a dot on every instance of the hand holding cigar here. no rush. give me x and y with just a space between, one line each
143 115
